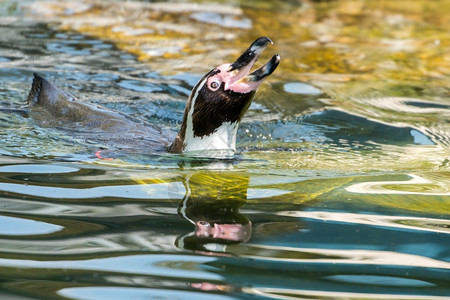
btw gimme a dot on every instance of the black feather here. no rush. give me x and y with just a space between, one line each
36 88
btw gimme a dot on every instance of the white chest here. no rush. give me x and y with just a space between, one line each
219 144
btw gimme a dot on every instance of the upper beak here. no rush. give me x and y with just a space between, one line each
242 66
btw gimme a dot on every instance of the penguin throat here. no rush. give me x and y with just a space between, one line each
219 144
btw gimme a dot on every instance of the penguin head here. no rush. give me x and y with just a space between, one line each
219 101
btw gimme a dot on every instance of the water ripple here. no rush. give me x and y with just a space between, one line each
106 243
277 293
119 293
147 191
158 265
334 257
416 185
390 222
18 226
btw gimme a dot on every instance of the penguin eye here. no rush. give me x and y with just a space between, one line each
214 85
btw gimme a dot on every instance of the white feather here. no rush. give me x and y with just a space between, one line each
220 144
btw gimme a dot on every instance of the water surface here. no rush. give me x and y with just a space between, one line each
340 189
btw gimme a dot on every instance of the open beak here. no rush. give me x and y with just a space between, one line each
242 66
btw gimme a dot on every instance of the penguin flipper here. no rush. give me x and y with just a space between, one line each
44 93
36 88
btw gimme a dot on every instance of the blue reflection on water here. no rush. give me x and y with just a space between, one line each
380 280
187 266
19 226
143 191
120 293
420 138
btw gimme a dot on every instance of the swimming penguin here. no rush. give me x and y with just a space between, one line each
213 112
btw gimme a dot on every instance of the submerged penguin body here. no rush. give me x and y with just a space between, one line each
51 107
213 112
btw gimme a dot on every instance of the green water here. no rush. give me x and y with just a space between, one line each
340 189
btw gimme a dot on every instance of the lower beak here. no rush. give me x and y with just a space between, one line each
265 70
242 66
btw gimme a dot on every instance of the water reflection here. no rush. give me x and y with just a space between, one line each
16 226
416 185
212 231
314 294
391 222
120 293
212 204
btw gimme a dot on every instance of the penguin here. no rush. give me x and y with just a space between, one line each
211 118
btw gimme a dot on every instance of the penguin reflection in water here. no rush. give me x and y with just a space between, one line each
213 112
211 203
